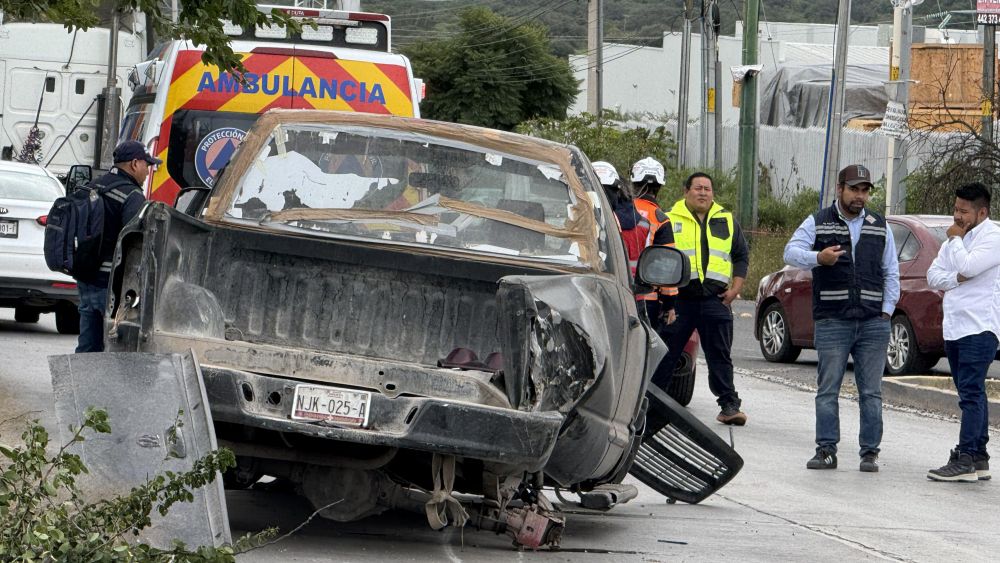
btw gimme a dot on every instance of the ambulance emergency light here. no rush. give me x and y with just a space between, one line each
361 35
270 32
321 33
230 28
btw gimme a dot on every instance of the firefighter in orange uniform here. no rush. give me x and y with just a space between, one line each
647 178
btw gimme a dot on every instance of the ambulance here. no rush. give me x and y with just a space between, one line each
192 116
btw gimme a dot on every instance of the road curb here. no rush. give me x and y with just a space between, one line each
936 394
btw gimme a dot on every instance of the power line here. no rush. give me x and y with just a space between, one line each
770 39
526 32
555 72
514 21
413 15
531 69
512 27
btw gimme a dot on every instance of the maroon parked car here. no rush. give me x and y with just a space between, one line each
784 323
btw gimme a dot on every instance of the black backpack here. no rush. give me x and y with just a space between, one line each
74 231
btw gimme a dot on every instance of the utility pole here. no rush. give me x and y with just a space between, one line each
706 87
899 80
716 83
684 87
989 81
595 59
112 97
836 117
748 120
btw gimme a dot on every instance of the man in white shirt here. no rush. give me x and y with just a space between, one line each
967 268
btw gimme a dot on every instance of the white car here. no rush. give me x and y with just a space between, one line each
26 283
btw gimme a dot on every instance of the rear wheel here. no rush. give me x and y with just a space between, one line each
25 314
776 336
903 355
681 387
67 318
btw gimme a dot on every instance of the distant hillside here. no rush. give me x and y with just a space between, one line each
637 21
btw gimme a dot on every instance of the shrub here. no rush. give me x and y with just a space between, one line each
46 519
606 138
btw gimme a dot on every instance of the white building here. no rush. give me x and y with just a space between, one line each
647 79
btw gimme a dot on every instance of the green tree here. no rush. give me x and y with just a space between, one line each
495 72
605 139
198 20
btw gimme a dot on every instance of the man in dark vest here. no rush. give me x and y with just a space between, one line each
855 288
121 189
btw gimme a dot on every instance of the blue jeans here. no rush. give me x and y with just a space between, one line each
93 301
866 342
969 358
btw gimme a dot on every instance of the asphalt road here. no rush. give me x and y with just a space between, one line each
746 353
774 510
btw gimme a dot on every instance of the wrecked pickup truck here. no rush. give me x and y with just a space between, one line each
398 313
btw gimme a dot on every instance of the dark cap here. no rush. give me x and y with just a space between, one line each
133 150
855 174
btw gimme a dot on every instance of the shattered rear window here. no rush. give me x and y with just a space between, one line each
409 188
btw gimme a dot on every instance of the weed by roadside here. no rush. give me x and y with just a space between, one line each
47 519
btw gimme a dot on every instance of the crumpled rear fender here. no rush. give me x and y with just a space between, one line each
555 336
574 344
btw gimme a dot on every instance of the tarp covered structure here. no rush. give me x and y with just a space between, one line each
800 95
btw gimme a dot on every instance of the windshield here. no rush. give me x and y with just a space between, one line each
941 232
32 187
353 181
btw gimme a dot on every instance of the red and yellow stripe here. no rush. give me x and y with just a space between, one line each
190 73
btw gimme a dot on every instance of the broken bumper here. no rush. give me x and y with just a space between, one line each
492 434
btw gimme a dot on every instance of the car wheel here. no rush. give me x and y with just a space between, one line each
26 315
903 355
67 319
681 387
775 336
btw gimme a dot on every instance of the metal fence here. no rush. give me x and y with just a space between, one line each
793 156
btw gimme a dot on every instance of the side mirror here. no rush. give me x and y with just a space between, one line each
190 199
662 266
79 176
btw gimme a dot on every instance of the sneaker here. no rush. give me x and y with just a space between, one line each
980 461
824 459
731 414
982 465
962 469
869 463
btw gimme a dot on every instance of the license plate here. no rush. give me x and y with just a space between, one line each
345 407
8 228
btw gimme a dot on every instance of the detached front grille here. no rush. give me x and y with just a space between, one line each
680 457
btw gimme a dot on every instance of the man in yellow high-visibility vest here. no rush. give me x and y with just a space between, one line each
720 258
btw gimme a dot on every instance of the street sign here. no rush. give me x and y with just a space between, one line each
894 122
988 12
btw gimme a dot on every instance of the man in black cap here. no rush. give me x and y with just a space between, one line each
855 286
122 191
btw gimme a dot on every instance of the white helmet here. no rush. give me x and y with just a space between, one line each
605 172
647 167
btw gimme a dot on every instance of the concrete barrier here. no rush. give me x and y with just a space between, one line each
935 394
